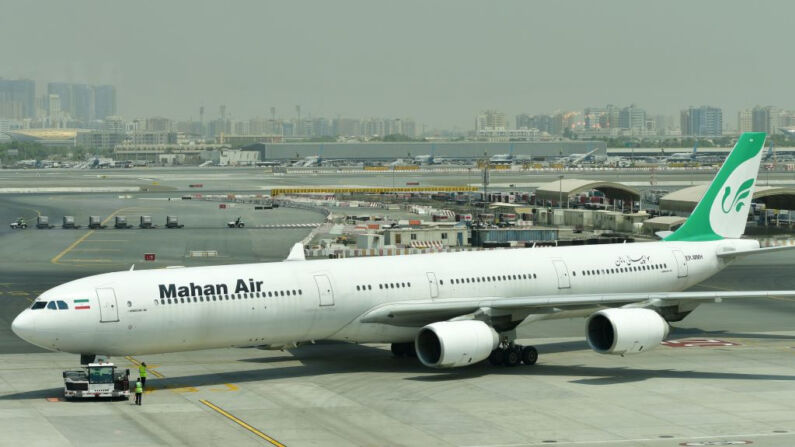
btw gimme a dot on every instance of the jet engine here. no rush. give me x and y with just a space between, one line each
450 344
625 331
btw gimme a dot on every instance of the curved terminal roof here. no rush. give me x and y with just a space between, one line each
685 200
43 134
569 187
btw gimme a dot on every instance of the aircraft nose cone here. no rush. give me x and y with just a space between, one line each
24 325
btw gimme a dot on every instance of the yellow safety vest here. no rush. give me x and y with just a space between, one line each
138 387
142 371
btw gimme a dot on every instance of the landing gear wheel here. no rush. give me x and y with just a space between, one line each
497 357
529 355
513 356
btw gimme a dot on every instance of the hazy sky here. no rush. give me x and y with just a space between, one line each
437 61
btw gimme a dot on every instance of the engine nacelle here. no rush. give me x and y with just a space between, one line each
450 344
625 331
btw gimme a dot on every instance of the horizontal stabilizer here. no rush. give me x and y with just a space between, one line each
755 251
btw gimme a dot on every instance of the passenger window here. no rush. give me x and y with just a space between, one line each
39 305
282 292
535 276
51 305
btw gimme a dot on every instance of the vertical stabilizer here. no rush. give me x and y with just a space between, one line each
723 211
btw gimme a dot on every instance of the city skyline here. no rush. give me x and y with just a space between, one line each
429 61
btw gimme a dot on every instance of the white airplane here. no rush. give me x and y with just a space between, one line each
429 159
454 309
577 159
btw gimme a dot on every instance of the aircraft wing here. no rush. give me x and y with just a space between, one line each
420 313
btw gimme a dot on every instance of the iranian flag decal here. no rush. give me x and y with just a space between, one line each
82 304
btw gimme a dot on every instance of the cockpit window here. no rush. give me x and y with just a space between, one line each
38 305
62 305
51 305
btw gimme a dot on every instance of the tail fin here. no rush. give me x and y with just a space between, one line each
723 210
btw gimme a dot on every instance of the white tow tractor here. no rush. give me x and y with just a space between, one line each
19 224
237 223
101 379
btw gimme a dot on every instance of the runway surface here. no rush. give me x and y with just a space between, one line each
735 382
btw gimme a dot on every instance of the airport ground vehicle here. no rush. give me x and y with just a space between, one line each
95 223
43 223
146 223
69 223
101 379
121 223
173 222
19 224
237 223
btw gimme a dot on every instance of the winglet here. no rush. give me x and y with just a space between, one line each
296 253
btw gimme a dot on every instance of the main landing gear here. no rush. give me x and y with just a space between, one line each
404 350
513 354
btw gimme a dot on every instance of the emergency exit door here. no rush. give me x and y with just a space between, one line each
108 310
681 264
325 292
563 273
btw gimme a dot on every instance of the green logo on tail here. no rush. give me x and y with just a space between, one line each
736 203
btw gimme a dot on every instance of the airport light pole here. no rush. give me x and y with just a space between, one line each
560 192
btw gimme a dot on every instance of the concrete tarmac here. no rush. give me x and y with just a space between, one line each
733 382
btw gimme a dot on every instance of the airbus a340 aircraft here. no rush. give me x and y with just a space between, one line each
454 309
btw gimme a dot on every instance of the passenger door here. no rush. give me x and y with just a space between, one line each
325 292
434 286
563 273
108 310
681 264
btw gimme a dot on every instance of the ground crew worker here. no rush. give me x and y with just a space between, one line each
139 390
142 373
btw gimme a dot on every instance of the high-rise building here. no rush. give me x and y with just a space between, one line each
765 119
53 110
594 117
744 121
114 124
632 117
159 124
105 101
704 121
17 98
490 119
83 102
346 127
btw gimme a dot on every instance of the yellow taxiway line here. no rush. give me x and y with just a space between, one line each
148 369
82 238
239 422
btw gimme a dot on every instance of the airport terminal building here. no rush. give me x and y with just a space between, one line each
469 150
